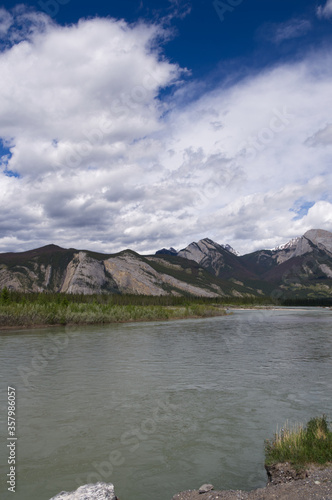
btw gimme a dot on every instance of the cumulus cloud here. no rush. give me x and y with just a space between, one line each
80 94
320 214
258 152
79 110
325 11
102 162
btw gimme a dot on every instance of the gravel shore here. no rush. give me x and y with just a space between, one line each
316 484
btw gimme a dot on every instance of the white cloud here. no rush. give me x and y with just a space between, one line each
325 11
90 87
5 21
320 214
280 32
259 151
104 164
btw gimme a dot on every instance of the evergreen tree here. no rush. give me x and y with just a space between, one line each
5 297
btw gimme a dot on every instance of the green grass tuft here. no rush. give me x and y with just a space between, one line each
300 445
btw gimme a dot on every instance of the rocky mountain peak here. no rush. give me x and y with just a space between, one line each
287 246
304 244
210 244
167 251
204 247
320 237
230 249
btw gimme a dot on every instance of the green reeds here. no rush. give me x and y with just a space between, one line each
301 445
63 312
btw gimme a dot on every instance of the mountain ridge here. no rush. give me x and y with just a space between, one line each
301 267
85 272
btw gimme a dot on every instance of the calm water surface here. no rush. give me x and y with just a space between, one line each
157 408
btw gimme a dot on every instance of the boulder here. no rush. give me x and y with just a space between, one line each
98 491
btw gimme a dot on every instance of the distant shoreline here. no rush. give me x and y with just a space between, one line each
275 308
204 313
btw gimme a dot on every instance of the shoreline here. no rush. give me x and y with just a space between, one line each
314 483
275 308
225 311
36 326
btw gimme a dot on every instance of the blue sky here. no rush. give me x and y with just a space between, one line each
206 35
146 124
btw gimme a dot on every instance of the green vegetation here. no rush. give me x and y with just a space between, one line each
5 296
22 310
127 299
28 309
308 302
301 446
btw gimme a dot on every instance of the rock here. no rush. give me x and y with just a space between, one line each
205 488
98 491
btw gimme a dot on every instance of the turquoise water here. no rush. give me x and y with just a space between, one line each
157 408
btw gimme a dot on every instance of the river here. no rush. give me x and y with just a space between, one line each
157 408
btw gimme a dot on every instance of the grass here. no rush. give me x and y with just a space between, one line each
20 309
301 445
27 314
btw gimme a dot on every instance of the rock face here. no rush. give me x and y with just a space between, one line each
306 244
321 238
35 270
98 491
315 238
87 275
134 276
302 267
54 269
206 252
220 260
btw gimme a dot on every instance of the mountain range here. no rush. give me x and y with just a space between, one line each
300 268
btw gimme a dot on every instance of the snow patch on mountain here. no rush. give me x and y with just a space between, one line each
286 246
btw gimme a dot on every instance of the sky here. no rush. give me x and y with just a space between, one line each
144 124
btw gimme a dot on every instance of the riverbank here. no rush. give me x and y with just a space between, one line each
35 315
297 462
315 483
